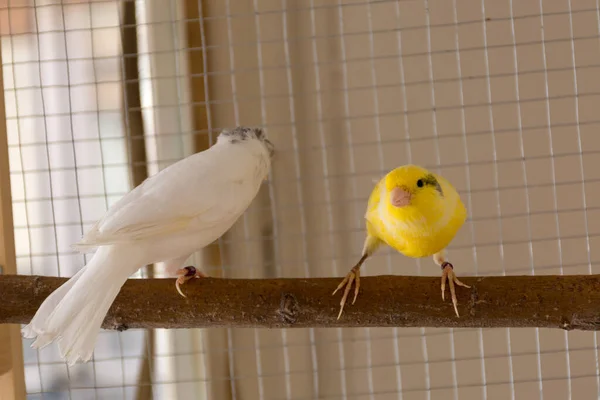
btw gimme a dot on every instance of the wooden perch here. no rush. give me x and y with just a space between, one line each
566 302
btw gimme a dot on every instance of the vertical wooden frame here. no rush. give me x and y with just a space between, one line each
12 378
217 363
193 13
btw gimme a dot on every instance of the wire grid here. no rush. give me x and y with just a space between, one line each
498 96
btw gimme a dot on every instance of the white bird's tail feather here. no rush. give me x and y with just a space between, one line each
73 314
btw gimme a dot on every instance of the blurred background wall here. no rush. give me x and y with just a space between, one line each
500 97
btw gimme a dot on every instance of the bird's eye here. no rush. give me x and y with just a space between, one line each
420 183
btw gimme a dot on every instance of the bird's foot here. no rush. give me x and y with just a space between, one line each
448 273
353 275
185 274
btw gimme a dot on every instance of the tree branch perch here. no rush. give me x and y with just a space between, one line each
565 302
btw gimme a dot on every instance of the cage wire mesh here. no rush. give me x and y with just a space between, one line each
500 96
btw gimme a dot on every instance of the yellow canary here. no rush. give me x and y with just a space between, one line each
417 213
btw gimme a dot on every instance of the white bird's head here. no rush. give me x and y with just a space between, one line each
253 140
243 134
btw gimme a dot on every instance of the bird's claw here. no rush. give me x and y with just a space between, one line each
448 273
353 276
184 275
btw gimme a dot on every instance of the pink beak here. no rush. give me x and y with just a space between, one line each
400 197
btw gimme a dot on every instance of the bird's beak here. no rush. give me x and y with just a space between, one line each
400 197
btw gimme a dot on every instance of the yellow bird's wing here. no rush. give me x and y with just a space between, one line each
376 226
456 209
375 196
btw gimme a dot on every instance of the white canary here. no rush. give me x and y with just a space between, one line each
167 218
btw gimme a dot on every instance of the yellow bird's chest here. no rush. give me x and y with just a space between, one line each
415 236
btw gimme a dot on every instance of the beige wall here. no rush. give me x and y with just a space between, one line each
475 90
405 94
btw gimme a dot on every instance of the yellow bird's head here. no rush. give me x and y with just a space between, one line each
415 211
415 192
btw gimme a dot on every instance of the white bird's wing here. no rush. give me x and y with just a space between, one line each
198 193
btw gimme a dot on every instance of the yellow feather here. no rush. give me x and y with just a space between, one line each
424 227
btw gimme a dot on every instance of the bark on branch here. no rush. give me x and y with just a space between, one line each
566 302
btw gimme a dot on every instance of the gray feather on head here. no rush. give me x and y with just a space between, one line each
242 133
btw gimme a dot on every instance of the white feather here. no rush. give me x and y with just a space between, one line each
169 216
199 192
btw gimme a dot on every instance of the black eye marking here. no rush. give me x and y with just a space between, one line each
430 180
243 133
